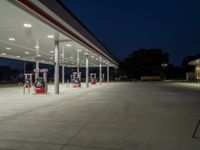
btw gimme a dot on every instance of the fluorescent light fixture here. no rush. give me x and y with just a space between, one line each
97 59
79 50
26 53
4 54
86 53
92 56
68 45
42 60
8 48
27 25
50 36
18 56
39 55
66 61
51 51
36 46
11 39
71 57
51 57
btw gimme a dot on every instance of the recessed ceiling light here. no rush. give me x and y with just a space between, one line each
79 50
50 36
86 53
18 56
11 39
71 57
39 55
92 56
26 52
36 46
3 53
51 51
8 48
68 45
27 25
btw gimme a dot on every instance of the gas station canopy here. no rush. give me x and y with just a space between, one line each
194 62
29 29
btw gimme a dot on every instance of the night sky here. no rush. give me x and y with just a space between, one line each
125 26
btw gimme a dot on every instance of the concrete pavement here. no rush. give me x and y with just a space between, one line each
115 116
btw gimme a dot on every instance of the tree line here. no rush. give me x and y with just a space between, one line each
154 62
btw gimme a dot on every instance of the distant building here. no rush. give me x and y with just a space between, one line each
196 63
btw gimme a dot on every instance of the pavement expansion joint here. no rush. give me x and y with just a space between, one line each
94 147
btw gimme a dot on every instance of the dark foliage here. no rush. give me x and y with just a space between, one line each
175 72
144 62
8 73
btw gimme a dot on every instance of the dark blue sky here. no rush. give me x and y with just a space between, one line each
124 26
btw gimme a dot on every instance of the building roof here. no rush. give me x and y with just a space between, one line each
46 18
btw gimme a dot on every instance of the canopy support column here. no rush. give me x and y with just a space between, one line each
87 71
78 74
100 72
63 66
37 68
56 67
108 74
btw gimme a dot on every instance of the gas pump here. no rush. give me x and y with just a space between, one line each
27 81
76 79
41 82
93 78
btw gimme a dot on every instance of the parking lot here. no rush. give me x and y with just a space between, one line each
114 116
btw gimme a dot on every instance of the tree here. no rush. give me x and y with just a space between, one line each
185 66
175 72
144 62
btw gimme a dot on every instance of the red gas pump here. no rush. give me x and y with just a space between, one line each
41 86
93 78
27 82
76 80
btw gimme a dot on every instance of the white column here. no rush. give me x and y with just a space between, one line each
87 71
63 66
100 72
37 68
63 74
56 67
108 74
78 64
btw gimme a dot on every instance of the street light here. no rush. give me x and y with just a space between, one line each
164 65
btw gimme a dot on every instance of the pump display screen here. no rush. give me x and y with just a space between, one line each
40 83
